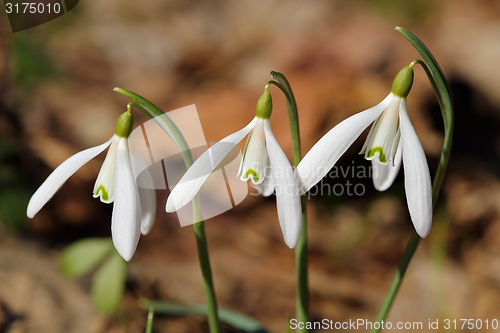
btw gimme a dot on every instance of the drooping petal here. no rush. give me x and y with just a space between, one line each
417 177
192 180
126 218
287 191
325 153
148 206
105 183
147 194
384 174
57 178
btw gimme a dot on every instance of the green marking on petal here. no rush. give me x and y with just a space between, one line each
104 193
253 173
381 156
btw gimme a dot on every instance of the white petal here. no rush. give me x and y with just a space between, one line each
325 153
147 193
105 182
57 178
192 180
148 207
417 177
126 219
287 191
384 174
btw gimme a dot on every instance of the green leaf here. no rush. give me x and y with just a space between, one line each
442 91
234 319
434 73
163 120
293 115
108 284
83 256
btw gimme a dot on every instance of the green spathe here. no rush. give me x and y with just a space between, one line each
264 106
124 124
402 82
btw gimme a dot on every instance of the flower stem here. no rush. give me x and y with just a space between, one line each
301 259
162 119
442 91
208 285
149 323
398 277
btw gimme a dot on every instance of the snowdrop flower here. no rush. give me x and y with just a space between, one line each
134 208
263 162
391 140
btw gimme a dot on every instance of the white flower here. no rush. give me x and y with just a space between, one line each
264 162
134 208
391 140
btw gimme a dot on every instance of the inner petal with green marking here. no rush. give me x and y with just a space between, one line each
105 183
255 159
383 138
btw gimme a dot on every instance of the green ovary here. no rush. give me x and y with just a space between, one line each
254 175
381 156
104 193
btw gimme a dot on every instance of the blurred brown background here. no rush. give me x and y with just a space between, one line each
340 57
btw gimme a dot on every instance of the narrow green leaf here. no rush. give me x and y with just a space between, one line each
434 73
83 256
108 284
163 120
151 109
442 91
231 318
293 115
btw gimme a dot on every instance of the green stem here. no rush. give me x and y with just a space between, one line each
149 324
301 259
164 121
398 277
441 89
208 285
